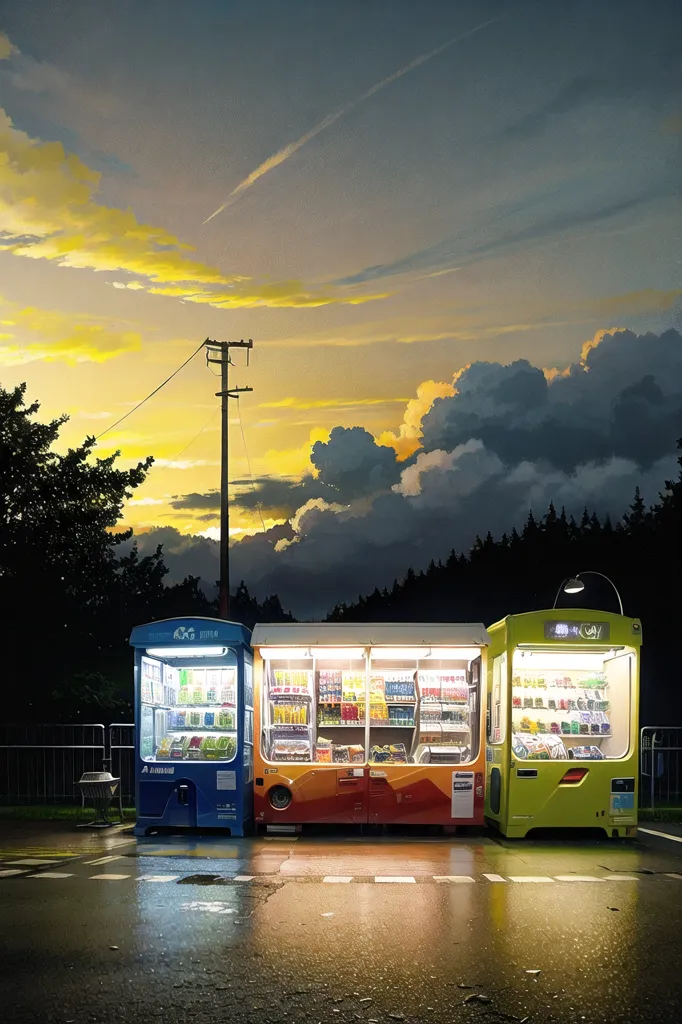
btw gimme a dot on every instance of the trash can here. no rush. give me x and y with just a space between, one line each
101 788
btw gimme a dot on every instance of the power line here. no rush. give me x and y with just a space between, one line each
165 465
248 463
151 395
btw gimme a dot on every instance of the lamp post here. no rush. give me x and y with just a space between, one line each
574 585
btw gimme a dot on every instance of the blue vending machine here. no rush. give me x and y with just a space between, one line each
194 725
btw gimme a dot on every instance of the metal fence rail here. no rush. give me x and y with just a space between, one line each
122 756
660 766
40 764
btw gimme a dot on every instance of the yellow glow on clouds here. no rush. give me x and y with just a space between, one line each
294 461
6 48
408 438
50 335
48 211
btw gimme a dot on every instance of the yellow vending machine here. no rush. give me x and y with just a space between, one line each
562 722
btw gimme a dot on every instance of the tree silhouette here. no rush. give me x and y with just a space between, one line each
69 591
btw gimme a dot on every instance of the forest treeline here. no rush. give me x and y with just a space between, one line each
523 571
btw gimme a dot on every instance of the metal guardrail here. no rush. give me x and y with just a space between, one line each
122 757
660 766
40 764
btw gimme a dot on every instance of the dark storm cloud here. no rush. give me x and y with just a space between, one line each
354 464
196 500
350 465
509 440
183 555
280 496
338 555
624 399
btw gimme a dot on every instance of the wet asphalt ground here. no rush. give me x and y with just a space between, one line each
338 929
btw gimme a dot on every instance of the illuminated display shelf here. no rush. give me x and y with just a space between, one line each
426 727
556 713
336 703
517 690
583 736
341 725
189 731
430 701
389 725
290 726
217 705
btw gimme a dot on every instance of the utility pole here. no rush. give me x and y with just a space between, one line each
221 350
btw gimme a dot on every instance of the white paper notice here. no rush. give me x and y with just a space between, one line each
226 780
462 795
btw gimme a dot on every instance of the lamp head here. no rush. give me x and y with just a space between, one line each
573 586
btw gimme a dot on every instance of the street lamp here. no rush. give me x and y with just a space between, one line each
574 585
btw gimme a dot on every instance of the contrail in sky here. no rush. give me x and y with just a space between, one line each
292 147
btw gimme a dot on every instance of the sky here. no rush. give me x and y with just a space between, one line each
451 229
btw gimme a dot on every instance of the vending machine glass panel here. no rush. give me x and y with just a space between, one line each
571 705
424 706
188 713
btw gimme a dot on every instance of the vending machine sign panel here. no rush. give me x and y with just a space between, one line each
562 630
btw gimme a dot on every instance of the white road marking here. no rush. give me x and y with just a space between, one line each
578 878
10 871
494 878
394 878
52 874
622 878
35 862
337 878
530 878
674 874
158 878
104 860
661 835
110 878
211 906
453 878
243 878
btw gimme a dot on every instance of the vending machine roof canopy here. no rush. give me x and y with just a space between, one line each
190 631
370 634
578 627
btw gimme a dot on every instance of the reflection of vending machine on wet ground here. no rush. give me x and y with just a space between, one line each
194 724
377 723
563 697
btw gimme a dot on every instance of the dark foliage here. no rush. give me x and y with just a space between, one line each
521 572
69 592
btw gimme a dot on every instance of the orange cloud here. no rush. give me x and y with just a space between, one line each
593 342
408 438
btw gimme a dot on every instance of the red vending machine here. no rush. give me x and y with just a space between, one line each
377 723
